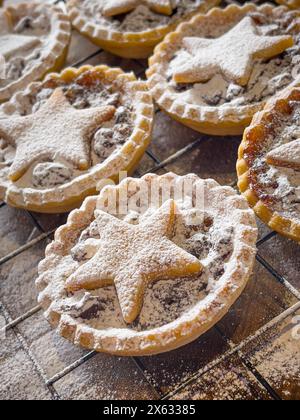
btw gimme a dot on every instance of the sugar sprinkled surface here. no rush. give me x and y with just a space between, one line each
213 240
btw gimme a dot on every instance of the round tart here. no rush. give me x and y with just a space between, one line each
269 163
149 265
131 28
216 71
59 138
293 4
34 40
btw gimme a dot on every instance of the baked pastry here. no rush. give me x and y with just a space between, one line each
216 71
34 40
148 265
61 137
293 4
269 163
131 28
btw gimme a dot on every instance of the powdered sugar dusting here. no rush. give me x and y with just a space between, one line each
267 76
276 357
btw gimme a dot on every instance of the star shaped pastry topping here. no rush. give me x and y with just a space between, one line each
232 54
118 7
131 256
56 130
286 156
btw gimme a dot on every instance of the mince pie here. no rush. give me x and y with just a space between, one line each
131 28
148 265
61 137
269 163
216 71
34 40
293 4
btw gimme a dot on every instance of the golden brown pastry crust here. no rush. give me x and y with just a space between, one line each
127 45
70 195
254 136
293 4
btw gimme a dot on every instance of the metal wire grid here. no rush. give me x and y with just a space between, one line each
12 324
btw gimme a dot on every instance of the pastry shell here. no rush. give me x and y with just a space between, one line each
70 195
212 120
188 327
56 50
259 130
126 44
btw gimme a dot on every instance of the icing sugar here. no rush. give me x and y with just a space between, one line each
131 256
49 175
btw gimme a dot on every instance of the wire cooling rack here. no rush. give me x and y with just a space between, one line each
39 236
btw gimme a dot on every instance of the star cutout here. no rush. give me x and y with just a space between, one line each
131 256
118 7
286 156
232 54
56 130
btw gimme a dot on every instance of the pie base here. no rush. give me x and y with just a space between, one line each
196 320
254 134
128 158
135 45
